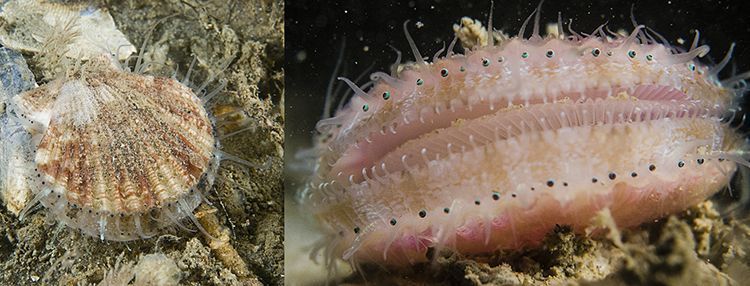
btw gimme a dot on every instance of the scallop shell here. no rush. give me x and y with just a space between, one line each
15 77
28 24
119 155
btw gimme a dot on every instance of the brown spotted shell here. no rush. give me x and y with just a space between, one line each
115 148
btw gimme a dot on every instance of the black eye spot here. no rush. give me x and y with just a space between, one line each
634 174
356 229
550 53
596 52
594 180
495 196
550 183
700 161
393 221
612 176
446 210
681 164
477 202
651 167
565 184
513 195
500 59
422 213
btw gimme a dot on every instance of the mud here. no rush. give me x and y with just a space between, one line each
247 202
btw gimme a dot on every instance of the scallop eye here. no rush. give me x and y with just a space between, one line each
444 72
550 53
485 62
631 54
596 52
691 66
386 95
365 108
649 57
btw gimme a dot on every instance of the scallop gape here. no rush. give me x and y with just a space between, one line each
491 149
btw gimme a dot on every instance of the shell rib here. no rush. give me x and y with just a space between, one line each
115 148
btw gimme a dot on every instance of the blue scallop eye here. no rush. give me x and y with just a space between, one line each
691 66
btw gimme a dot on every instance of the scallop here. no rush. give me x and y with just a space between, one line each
117 155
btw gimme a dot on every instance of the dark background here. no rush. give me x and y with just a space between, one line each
314 30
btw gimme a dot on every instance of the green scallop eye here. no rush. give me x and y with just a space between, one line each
631 54
365 108
387 95
485 62
649 57
420 81
444 72
691 66
525 55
